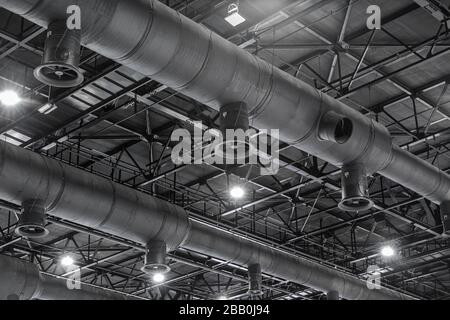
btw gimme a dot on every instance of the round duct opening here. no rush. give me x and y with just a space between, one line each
355 204
32 220
335 128
234 124
59 67
155 258
355 190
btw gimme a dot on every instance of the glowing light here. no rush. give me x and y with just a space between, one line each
237 192
67 261
9 98
222 297
387 251
158 277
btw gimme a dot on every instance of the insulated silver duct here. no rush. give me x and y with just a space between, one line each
96 202
32 219
21 280
155 258
153 39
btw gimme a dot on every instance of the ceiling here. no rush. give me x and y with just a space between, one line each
118 123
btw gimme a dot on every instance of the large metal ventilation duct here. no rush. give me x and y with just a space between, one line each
96 202
161 43
21 280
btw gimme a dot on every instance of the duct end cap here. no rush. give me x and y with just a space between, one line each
32 230
354 204
155 268
59 75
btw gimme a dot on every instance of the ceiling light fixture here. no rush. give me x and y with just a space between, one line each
67 261
234 18
158 277
9 98
237 192
387 251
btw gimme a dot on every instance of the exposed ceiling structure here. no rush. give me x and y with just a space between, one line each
99 152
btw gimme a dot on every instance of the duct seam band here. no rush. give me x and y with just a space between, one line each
163 68
143 39
202 68
61 191
260 107
315 126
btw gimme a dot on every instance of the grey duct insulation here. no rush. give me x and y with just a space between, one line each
155 40
96 202
21 280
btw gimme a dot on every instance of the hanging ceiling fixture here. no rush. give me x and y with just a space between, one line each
234 18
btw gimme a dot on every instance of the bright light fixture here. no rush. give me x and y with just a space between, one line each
9 98
158 277
234 18
387 251
67 261
237 192
222 297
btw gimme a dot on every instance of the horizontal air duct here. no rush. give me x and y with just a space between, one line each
98 203
21 280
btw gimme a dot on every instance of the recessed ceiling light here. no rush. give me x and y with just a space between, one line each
387 251
237 192
9 98
158 277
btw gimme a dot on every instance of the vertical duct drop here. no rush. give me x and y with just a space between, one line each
59 67
355 189
332 295
32 220
155 258
255 280
234 123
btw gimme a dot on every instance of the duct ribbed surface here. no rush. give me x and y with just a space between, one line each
21 280
96 202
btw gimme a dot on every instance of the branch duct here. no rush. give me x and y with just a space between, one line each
21 280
